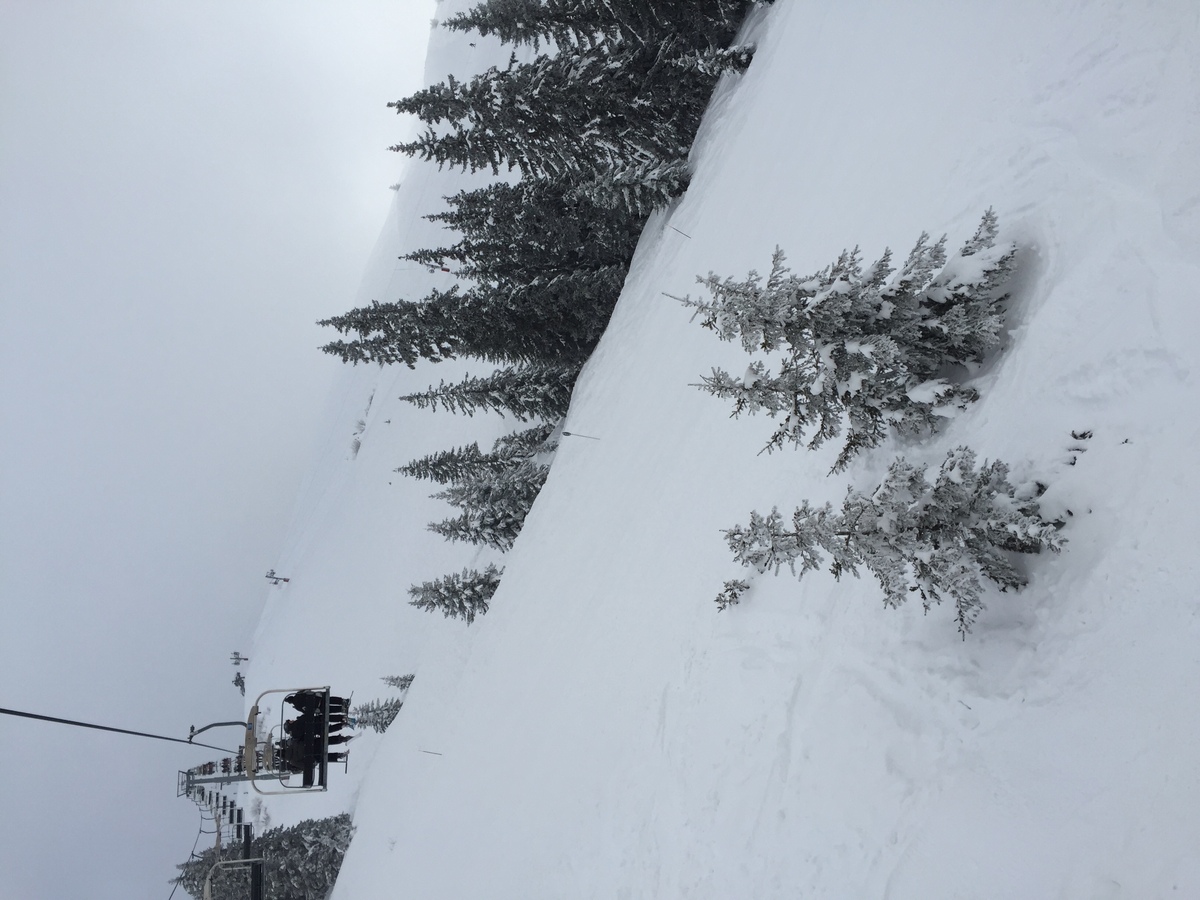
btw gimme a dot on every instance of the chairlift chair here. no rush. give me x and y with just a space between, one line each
318 742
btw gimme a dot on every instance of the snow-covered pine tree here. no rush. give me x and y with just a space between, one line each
497 324
536 226
934 541
461 463
401 331
715 61
446 466
570 23
550 316
640 186
458 596
533 391
300 861
377 714
525 22
399 682
855 350
494 505
962 318
570 116
546 270
523 444
515 486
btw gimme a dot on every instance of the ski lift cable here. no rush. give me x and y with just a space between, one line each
146 734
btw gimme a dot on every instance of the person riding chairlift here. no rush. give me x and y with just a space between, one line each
306 729
310 702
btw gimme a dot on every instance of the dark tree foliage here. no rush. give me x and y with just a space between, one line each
541 321
933 541
459 464
460 596
536 227
511 490
614 109
494 505
300 862
641 186
572 115
590 23
546 270
403 332
601 130
533 391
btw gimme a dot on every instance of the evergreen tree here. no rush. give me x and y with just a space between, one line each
402 331
515 486
494 505
932 540
300 862
462 596
545 318
490 527
400 682
860 351
536 390
640 186
550 317
377 714
534 228
446 466
461 463
572 115
524 444
601 131
572 23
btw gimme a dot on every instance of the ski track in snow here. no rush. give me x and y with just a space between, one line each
604 732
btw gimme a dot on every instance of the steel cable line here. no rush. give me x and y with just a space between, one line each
146 734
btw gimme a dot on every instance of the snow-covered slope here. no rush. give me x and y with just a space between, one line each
603 731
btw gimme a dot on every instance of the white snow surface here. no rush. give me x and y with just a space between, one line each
604 732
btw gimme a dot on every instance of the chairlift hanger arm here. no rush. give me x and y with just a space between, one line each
196 731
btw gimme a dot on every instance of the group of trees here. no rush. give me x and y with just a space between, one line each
598 127
611 113
861 350
495 492
299 863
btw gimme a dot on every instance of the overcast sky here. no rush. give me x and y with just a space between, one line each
185 187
